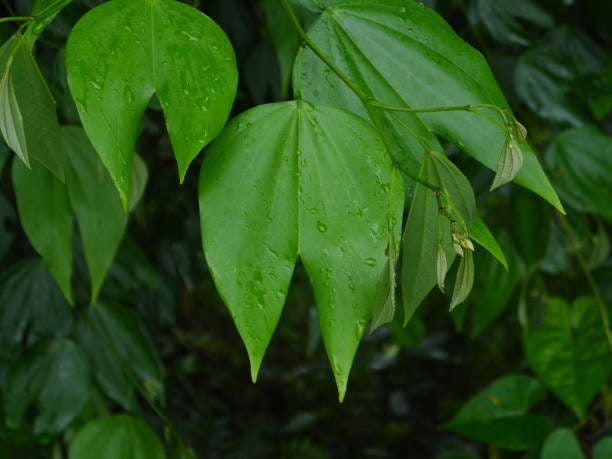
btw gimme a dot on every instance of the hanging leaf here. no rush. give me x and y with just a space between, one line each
569 352
464 280
509 164
580 161
46 217
114 437
293 179
55 378
561 444
140 177
31 308
405 55
28 120
115 340
174 51
498 414
95 203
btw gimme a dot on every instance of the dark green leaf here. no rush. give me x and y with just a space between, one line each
530 226
295 179
404 54
603 448
498 414
115 437
174 51
46 217
561 444
580 160
569 352
56 379
116 342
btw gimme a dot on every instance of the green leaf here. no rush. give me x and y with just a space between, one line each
498 414
505 19
481 234
603 448
46 217
56 379
114 437
174 51
140 177
530 227
428 228
580 160
293 179
45 12
405 55
31 307
95 203
115 340
28 120
562 444
569 352
464 280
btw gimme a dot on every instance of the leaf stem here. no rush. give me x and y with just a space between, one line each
17 19
605 318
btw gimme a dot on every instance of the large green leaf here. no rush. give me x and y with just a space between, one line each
116 342
580 160
95 203
46 217
31 308
403 54
569 352
56 379
28 120
115 437
122 52
561 444
293 179
498 414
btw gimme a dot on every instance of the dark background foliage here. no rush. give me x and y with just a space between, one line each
553 59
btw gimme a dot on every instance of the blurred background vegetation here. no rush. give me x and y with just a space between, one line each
553 59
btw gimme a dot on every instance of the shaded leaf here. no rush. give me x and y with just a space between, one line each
569 352
293 179
603 448
115 437
465 279
498 414
561 444
174 51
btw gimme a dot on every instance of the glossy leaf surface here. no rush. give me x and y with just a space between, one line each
174 51
116 437
498 414
405 55
293 179
569 352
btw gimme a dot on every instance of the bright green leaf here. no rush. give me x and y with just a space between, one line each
115 340
293 179
569 352
115 437
140 177
561 444
498 414
481 234
46 217
56 379
404 54
28 120
174 51
95 203
580 159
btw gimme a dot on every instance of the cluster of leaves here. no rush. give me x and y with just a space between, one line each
371 174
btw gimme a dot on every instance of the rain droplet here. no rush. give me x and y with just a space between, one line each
370 261
322 227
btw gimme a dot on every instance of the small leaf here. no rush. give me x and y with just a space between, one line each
465 279
114 437
481 234
498 414
140 177
46 217
318 187
569 352
54 378
441 267
510 163
196 86
561 444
